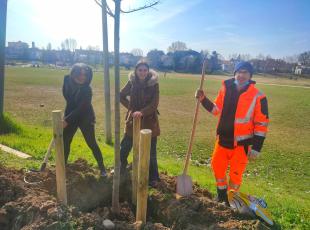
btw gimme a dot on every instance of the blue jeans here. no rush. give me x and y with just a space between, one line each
126 146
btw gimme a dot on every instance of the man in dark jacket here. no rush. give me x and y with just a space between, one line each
79 111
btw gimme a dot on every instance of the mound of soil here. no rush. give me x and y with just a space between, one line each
34 206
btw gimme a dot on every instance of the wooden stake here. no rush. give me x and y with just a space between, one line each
135 162
143 174
60 159
138 225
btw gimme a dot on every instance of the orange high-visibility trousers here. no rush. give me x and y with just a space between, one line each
222 158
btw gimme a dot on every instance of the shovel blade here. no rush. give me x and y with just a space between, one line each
43 166
184 185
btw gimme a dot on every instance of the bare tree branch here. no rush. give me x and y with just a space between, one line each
98 3
109 11
151 5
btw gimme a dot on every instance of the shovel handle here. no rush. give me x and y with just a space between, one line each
190 145
202 79
48 152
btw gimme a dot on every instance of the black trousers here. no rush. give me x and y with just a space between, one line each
126 146
88 131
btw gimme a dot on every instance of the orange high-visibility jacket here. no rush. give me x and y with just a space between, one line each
251 115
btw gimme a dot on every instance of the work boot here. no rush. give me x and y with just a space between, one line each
222 196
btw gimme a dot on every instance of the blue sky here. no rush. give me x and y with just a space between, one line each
271 27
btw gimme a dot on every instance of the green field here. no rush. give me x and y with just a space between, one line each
281 175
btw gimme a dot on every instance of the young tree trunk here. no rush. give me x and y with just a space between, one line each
106 75
3 10
116 179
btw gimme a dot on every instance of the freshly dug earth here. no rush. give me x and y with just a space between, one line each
34 206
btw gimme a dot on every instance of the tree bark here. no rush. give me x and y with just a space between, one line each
106 75
116 179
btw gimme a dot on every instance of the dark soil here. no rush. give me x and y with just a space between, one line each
34 206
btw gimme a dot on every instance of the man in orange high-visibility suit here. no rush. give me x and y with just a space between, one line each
241 130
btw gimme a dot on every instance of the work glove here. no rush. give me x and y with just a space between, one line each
199 94
253 154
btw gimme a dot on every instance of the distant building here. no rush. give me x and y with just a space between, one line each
93 57
128 60
167 62
35 54
298 70
17 50
227 66
301 69
18 45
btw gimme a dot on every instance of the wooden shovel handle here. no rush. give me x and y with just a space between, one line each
190 145
48 152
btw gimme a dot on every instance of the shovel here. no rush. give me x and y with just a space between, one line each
47 155
184 182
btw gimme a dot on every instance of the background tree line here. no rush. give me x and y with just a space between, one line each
178 58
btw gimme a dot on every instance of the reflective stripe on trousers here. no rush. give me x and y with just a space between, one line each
222 158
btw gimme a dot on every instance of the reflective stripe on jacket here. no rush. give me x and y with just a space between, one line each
249 117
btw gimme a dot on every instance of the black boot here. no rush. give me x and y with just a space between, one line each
222 196
103 172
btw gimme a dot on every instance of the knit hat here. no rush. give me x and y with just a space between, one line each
244 65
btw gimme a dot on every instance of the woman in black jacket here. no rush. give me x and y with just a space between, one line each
79 111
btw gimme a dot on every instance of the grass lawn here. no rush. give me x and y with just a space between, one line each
281 175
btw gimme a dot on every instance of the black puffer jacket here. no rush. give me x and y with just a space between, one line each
78 99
